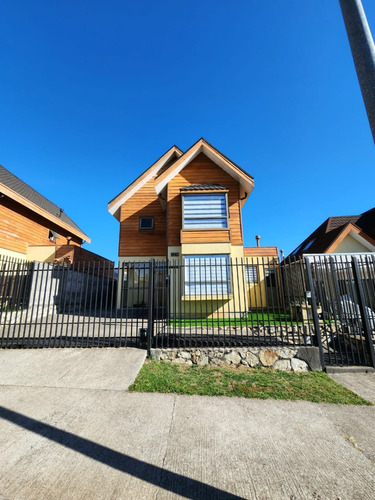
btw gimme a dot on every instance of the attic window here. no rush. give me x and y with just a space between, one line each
146 223
52 235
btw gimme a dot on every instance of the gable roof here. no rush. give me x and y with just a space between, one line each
159 165
202 146
19 191
330 234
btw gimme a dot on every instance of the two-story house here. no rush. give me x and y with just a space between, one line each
186 207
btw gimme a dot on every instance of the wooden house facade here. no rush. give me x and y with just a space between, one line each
186 207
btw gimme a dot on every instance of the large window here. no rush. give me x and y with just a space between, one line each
205 211
207 275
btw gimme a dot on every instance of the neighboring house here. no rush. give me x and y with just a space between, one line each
34 228
186 207
343 234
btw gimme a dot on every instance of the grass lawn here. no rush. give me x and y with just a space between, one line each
253 317
159 376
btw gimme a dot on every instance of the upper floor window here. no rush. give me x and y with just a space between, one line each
146 223
205 211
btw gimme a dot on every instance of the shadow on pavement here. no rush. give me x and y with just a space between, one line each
171 481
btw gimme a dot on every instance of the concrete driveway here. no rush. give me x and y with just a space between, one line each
81 435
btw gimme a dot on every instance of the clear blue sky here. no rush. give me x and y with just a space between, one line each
92 92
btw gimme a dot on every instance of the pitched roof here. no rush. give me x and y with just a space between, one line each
158 166
203 146
172 162
329 234
15 188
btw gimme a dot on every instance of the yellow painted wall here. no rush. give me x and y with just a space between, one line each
350 245
242 295
14 255
41 253
216 306
256 292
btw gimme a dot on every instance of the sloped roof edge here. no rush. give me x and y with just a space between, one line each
346 230
133 187
203 146
19 191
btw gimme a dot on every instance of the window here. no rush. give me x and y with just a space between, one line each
308 245
251 274
146 223
207 275
52 235
205 211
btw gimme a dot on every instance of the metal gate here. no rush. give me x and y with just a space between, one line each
342 289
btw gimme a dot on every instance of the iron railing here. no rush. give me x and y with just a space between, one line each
323 301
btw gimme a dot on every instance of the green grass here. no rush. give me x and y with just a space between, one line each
159 376
253 317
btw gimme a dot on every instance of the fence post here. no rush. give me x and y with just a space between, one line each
150 324
361 300
315 312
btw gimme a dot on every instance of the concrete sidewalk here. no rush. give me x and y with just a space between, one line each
360 383
77 442
100 368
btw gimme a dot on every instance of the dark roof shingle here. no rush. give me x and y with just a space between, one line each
13 182
322 238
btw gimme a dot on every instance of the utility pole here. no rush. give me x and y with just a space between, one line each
363 51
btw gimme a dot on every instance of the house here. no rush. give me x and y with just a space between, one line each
343 234
186 208
34 228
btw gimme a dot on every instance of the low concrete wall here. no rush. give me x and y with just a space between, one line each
280 358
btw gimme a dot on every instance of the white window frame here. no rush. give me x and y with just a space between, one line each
251 273
224 217
207 281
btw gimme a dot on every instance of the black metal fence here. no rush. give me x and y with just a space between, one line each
70 305
198 301
343 304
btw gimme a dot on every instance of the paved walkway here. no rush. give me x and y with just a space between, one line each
62 438
361 383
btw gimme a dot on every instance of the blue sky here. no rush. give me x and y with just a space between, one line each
92 93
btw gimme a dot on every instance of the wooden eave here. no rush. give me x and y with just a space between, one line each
115 204
202 146
348 228
40 211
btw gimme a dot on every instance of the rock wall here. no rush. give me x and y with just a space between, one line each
280 358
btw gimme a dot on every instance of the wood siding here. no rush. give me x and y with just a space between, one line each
202 170
208 236
20 227
260 251
136 242
78 254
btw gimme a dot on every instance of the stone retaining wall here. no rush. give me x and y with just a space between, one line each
280 358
